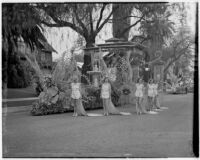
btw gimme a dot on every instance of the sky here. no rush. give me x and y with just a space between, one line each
191 12
62 39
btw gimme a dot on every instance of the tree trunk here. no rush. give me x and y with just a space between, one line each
87 66
120 22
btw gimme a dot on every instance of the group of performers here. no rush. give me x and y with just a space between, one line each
152 95
108 107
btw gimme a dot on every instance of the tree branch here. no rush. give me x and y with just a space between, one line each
139 36
122 18
60 23
79 21
176 58
106 20
91 22
128 28
175 47
157 58
64 24
51 25
101 15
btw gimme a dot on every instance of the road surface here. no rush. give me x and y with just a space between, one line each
168 134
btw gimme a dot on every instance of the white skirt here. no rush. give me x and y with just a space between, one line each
139 94
151 93
105 95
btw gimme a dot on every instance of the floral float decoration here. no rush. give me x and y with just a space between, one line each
51 100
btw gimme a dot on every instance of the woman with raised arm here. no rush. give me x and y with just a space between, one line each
108 106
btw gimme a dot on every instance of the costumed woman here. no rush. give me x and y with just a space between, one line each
139 93
108 106
76 98
151 96
156 98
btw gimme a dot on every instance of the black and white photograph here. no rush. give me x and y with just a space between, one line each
103 79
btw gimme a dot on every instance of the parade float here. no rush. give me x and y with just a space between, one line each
118 59
123 62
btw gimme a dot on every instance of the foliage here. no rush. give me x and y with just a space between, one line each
18 74
39 109
180 50
126 91
115 94
51 100
91 97
158 30
57 92
159 26
140 12
19 22
87 19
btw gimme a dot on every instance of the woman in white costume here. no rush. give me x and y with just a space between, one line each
76 97
151 95
108 106
139 93
156 98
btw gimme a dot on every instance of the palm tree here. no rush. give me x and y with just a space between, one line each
157 31
19 21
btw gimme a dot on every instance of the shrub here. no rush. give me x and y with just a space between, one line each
45 109
50 101
91 97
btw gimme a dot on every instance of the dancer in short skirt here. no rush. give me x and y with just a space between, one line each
108 106
139 96
151 95
76 98
156 98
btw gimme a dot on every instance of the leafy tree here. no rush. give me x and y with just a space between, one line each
87 19
180 48
158 28
150 16
141 12
19 21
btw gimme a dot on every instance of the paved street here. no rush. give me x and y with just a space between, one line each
19 93
168 134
